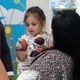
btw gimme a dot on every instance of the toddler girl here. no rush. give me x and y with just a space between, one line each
34 20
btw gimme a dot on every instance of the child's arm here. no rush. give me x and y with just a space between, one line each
21 55
21 49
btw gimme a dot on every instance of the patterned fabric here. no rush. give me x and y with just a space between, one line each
50 65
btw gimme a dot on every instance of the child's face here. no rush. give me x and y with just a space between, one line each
34 25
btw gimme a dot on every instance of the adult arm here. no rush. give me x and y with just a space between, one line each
3 74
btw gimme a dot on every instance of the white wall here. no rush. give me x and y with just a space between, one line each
43 4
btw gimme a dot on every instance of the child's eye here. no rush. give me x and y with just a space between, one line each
27 24
33 24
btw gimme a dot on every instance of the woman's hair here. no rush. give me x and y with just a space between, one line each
38 12
66 32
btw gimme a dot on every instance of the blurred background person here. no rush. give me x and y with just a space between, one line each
5 53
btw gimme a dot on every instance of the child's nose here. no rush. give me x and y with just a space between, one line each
30 27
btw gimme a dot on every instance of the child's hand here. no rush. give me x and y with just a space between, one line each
22 45
39 48
18 45
21 55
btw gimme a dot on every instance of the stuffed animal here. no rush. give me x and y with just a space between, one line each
38 41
